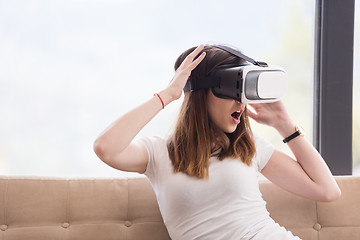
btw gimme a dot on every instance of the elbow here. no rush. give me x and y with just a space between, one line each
99 149
332 195
103 152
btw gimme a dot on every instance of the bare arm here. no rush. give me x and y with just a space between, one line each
115 146
308 176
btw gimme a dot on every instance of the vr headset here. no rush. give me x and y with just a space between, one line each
248 83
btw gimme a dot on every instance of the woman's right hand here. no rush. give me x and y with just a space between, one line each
115 145
183 72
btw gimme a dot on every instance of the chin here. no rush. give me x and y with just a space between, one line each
230 130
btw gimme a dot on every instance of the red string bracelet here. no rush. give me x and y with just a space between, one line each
163 105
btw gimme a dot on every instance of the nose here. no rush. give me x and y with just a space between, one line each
238 102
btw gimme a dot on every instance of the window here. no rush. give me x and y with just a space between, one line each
70 68
356 93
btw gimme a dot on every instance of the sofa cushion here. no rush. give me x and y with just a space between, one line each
38 208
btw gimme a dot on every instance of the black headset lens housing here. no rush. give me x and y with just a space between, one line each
247 83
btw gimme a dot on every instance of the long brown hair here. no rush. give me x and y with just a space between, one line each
194 137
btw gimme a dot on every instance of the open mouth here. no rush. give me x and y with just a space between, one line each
236 115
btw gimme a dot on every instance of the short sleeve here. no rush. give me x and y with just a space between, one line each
264 151
154 147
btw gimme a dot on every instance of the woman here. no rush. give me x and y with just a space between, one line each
205 174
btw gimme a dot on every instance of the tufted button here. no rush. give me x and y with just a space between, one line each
317 226
128 223
3 227
65 225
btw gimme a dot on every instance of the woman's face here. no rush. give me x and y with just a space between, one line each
224 113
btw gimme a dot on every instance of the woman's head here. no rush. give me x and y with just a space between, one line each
214 58
207 122
223 113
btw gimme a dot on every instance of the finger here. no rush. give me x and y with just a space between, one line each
196 51
189 58
197 61
253 107
252 114
256 106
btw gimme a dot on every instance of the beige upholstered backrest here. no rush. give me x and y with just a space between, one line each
127 209
338 220
79 209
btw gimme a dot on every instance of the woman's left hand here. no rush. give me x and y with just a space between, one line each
309 175
274 115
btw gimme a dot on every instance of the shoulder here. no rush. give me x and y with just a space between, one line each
152 141
156 147
264 151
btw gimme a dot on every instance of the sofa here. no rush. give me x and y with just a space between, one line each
126 208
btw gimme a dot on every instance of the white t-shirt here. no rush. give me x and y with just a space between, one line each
228 205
